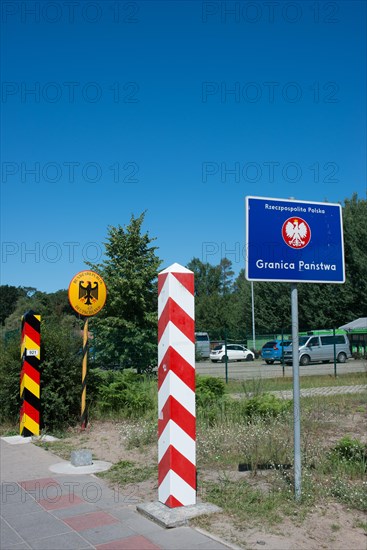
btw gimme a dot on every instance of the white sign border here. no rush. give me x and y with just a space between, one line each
291 201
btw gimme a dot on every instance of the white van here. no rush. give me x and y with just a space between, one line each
202 344
320 349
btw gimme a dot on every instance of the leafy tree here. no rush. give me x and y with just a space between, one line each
126 328
38 302
8 299
355 244
60 375
226 276
207 277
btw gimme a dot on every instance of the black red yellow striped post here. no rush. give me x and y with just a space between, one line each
84 412
30 376
87 296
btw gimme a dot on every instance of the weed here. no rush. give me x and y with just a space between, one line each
125 472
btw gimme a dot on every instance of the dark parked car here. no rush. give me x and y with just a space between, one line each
273 350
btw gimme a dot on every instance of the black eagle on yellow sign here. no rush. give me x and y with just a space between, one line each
88 292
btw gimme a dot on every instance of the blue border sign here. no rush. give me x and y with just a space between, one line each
294 241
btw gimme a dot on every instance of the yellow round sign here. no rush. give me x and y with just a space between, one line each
87 293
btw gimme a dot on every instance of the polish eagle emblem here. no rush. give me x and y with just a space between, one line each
296 232
88 292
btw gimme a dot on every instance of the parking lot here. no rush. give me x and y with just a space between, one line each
259 369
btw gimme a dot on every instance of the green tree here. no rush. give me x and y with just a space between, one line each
226 276
207 277
8 298
126 328
60 374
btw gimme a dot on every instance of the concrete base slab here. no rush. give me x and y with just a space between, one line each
20 440
175 517
68 468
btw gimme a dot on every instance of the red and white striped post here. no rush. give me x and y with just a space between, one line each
176 387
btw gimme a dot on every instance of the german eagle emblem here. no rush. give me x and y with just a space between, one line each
88 292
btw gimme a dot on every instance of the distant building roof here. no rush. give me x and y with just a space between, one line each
360 323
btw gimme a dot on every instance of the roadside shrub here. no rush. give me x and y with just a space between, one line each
61 365
350 450
10 365
208 390
125 391
266 405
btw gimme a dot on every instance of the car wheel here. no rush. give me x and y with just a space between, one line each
224 358
268 362
249 357
305 360
342 358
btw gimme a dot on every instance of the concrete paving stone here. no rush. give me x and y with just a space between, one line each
130 543
183 537
212 544
90 489
20 546
8 536
66 541
119 499
36 484
122 513
74 510
37 526
24 462
137 523
107 533
10 510
11 492
49 491
60 501
83 522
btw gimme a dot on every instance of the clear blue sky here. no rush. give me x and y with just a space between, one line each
177 108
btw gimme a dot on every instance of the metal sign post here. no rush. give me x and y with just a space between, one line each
87 296
83 412
294 241
296 394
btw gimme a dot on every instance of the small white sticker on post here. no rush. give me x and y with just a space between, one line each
32 352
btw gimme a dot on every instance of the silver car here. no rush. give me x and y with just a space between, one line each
320 349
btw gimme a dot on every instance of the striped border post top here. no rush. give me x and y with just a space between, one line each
176 387
30 376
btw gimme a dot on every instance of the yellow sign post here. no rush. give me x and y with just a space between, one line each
87 296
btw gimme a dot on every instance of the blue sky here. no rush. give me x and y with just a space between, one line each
177 108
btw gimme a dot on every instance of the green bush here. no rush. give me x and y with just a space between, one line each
350 450
266 405
125 391
61 368
208 390
10 365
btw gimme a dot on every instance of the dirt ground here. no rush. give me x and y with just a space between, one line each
331 527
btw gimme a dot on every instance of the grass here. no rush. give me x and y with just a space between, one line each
125 472
63 447
227 437
227 442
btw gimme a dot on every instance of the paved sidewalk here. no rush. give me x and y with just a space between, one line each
330 390
42 510
310 392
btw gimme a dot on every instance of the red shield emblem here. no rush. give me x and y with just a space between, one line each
296 232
